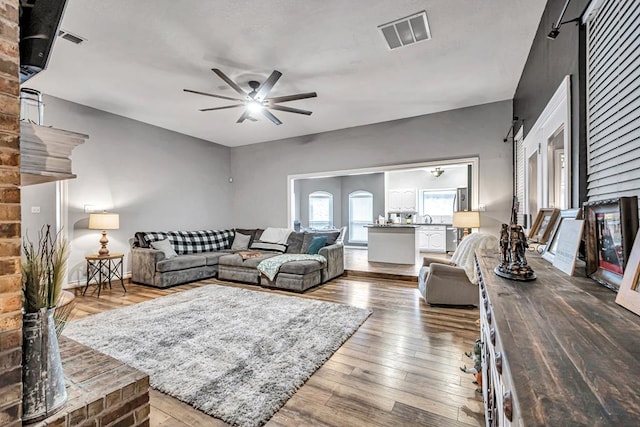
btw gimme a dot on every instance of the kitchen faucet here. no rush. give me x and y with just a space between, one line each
428 219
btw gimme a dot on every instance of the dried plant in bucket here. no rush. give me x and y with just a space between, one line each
43 271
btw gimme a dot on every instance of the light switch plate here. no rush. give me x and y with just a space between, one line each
35 209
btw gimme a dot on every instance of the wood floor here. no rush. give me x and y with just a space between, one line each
400 368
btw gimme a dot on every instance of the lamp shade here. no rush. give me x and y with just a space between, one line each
466 219
104 221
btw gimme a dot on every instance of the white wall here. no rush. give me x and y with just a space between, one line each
260 170
454 177
156 179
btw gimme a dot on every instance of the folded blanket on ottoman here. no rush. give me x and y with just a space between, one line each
270 266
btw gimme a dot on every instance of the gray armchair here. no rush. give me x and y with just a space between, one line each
454 283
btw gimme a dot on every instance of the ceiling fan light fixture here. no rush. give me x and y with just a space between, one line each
254 106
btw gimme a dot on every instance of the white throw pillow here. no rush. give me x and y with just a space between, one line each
240 242
276 235
164 246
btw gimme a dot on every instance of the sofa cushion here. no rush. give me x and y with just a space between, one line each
276 235
180 263
240 242
165 247
316 243
139 240
237 261
331 238
188 242
247 232
259 245
301 267
213 258
294 242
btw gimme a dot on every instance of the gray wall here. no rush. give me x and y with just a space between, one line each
260 171
373 183
332 186
548 63
41 196
340 187
154 178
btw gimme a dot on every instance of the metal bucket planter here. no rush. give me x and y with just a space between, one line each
44 390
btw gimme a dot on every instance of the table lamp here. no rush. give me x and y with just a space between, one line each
466 220
104 221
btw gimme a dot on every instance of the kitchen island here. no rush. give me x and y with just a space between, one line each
393 243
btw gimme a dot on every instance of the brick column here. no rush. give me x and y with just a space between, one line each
10 279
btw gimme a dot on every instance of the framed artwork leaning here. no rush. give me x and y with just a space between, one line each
611 227
543 225
629 293
552 244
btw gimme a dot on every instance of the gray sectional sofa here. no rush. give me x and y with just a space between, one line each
209 253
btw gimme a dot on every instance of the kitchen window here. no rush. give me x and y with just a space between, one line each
360 214
437 204
320 210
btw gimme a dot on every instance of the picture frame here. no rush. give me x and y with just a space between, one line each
569 238
543 224
552 244
610 229
629 293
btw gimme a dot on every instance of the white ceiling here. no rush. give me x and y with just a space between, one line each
140 54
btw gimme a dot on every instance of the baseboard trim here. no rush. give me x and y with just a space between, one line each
82 283
378 275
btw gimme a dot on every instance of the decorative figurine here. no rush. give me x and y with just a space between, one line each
513 244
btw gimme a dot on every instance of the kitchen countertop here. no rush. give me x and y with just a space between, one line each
392 226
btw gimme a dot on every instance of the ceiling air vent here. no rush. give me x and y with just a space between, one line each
406 31
71 37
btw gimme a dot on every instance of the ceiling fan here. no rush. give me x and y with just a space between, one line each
257 100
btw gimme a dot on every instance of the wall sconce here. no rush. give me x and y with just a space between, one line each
104 221
437 172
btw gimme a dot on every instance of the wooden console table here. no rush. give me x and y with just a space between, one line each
557 351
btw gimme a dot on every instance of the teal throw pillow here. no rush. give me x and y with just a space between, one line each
316 244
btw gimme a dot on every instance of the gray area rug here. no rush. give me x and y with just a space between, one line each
235 354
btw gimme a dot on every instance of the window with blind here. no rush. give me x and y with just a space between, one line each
320 210
360 215
613 92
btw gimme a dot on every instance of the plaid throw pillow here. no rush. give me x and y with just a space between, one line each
191 242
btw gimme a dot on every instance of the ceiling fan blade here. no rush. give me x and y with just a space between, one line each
213 95
271 117
252 119
222 108
267 85
245 115
292 97
230 82
290 110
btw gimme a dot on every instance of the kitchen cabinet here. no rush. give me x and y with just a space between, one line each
432 238
403 200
